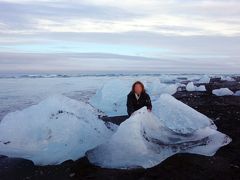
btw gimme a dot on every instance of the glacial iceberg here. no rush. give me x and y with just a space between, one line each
55 130
169 89
178 116
156 88
144 140
222 92
112 97
60 128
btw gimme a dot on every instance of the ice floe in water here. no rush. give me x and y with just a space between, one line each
222 92
144 140
55 130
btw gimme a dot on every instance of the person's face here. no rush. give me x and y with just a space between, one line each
138 89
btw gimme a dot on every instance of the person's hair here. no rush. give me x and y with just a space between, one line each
141 84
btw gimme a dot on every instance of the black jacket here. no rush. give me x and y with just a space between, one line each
133 104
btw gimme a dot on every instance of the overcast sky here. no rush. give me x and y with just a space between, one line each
127 35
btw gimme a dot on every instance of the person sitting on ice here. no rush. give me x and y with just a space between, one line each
138 98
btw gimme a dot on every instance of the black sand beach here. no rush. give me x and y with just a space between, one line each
225 164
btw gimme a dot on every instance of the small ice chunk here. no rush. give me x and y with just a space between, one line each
237 93
205 79
227 78
200 88
222 92
55 130
191 87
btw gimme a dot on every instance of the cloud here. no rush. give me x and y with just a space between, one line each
123 43
200 33
87 62
191 18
